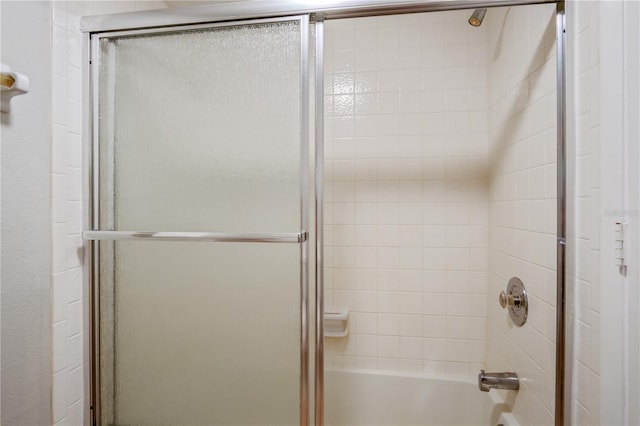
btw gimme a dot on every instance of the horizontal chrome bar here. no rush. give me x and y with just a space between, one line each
220 237
253 9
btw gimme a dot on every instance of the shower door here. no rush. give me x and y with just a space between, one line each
199 224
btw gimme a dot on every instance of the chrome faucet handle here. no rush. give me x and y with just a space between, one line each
515 300
509 300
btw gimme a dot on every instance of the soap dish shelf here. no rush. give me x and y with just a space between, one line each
336 323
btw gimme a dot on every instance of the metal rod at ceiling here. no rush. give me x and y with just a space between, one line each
234 11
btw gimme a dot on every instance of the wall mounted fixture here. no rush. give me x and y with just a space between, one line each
11 84
488 381
477 17
515 299
336 323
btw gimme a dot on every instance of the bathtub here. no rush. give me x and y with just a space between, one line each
359 397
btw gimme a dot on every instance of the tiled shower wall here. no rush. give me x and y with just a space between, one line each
70 301
522 200
584 26
406 191
441 156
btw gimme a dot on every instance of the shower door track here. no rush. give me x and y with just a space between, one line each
244 11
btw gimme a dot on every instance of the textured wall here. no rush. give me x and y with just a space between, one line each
26 294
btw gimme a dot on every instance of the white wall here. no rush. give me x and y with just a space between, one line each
70 298
25 166
406 191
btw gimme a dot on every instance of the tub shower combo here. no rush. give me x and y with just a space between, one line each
320 213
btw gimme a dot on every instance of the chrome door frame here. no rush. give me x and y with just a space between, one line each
93 234
159 20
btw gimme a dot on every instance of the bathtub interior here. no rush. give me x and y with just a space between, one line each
359 397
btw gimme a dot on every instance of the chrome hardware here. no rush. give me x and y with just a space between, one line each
487 381
508 300
223 237
515 299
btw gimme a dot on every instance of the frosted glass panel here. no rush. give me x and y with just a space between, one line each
200 130
202 334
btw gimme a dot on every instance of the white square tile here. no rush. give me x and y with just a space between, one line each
367 301
366 279
59 149
435 304
411 347
366 235
74 285
410 303
59 296
389 324
365 39
366 345
457 350
409 57
59 345
434 282
59 248
75 386
366 257
411 325
389 346
74 217
388 302
366 323
433 56
59 198
75 349
59 100
434 349
74 318
388 280
74 184
75 414
59 397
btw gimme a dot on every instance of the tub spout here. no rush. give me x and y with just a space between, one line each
488 381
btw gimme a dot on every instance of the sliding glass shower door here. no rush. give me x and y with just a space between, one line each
200 163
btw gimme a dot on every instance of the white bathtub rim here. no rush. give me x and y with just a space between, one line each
411 374
500 398
501 401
